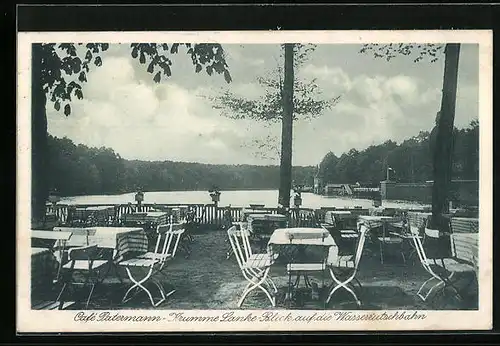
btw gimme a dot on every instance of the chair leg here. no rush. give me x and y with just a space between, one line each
253 285
90 295
162 293
438 283
60 296
339 284
136 284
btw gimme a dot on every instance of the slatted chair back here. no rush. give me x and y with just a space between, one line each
236 239
174 236
464 247
84 253
169 236
162 239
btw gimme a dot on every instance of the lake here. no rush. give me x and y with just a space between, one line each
234 198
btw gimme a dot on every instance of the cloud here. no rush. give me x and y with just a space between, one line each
123 109
154 122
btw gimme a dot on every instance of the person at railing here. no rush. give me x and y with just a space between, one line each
227 218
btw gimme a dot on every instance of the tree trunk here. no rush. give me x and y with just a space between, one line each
286 130
443 149
39 174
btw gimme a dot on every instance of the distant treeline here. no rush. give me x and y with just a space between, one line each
410 160
82 170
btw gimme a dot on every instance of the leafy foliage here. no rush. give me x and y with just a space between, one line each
65 66
419 52
210 56
64 70
307 102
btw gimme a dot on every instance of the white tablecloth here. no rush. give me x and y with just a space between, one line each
302 236
124 240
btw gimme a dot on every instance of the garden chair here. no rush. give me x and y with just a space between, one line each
343 268
84 260
154 263
444 268
254 267
344 232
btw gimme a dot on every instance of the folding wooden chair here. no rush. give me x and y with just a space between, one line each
82 260
254 267
343 268
444 268
154 263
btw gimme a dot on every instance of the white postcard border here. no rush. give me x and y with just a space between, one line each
260 320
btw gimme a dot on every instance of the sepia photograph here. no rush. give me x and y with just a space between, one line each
252 183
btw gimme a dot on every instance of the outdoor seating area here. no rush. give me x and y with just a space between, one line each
343 260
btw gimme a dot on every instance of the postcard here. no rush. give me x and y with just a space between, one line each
254 181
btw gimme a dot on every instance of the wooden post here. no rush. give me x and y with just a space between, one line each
443 149
286 130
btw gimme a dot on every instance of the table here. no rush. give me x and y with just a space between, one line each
153 218
333 215
125 241
374 221
101 213
246 212
53 240
265 223
43 264
261 226
285 239
301 236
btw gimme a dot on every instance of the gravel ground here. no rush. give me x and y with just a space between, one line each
207 280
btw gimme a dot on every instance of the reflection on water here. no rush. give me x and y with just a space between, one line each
235 198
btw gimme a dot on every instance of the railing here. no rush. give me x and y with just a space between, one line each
207 214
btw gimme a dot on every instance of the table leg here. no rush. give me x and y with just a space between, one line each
61 244
382 244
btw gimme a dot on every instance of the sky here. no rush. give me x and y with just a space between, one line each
125 110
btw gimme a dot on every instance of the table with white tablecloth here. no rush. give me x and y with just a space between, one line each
285 240
125 241
151 219
96 215
43 267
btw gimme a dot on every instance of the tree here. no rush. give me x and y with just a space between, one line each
285 99
443 154
60 70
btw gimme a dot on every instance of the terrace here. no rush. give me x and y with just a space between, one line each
204 278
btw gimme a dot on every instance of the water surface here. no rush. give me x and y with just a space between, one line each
239 198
